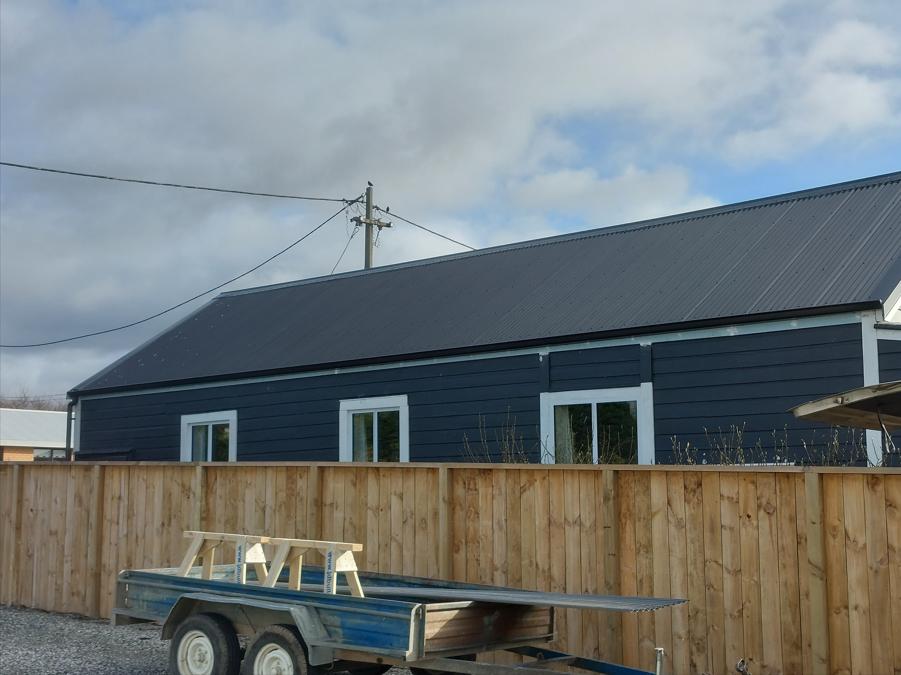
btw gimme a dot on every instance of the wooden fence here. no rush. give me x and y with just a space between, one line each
798 571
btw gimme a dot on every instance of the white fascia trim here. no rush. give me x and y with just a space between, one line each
228 416
888 333
693 334
374 404
643 395
870 347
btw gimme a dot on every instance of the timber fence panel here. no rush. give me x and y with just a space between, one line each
796 570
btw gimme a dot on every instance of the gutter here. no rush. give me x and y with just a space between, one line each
518 344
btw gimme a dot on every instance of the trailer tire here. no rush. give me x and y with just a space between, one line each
204 644
276 649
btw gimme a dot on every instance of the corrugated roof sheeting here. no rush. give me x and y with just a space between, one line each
831 246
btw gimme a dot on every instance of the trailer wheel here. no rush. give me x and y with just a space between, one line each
204 644
275 650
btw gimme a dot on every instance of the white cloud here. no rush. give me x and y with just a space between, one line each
486 120
635 194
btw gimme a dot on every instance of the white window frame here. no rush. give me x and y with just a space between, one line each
222 417
643 396
374 405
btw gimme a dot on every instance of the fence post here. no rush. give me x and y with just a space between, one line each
445 528
93 571
13 537
198 497
314 504
816 565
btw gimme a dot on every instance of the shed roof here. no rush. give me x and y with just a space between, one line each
817 250
21 428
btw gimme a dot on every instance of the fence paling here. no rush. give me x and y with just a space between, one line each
794 570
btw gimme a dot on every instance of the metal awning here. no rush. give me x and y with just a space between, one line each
875 407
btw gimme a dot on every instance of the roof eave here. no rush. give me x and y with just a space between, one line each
499 346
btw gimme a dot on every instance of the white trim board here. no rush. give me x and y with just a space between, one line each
870 349
643 395
373 404
754 328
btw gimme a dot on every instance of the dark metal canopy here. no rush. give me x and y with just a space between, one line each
875 407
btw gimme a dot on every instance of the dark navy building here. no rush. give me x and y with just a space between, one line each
686 338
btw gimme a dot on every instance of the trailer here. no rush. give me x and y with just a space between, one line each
298 619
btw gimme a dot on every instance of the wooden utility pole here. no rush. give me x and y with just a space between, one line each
368 222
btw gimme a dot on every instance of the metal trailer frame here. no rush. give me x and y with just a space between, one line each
349 632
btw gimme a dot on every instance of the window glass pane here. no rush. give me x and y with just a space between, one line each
362 436
572 433
199 434
617 432
389 436
43 454
220 443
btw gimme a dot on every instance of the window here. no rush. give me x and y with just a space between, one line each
49 454
607 426
374 430
209 437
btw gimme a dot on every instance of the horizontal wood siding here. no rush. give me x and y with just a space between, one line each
749 383
483 401
797 571
601 368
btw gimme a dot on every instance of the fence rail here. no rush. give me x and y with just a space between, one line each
798 571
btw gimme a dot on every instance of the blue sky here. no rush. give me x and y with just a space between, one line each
490 121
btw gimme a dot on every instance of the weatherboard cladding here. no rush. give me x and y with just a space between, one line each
750 380
703 389
817 249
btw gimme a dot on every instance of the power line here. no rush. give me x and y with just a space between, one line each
423 227
341 257
173 185
191 299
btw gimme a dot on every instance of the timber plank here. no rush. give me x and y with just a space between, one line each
678 568
816 570
500 530
768 532
628 573
644 567
879 583
836 575
789 593
588 563
659 521
697 592
731 542
893 531
858 575
713 571
573 569
556 511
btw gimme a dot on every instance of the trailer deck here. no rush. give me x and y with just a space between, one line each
372 620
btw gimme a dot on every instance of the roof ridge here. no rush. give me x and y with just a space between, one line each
622 228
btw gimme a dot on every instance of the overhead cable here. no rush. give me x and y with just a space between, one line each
423 227
185 302
174 185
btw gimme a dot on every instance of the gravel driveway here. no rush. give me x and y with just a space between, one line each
32 641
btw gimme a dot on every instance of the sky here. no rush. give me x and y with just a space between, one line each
491 122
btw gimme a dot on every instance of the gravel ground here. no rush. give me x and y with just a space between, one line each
33 641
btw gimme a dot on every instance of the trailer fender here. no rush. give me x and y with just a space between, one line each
250 615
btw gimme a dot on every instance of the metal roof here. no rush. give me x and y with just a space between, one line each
812 251
21 428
